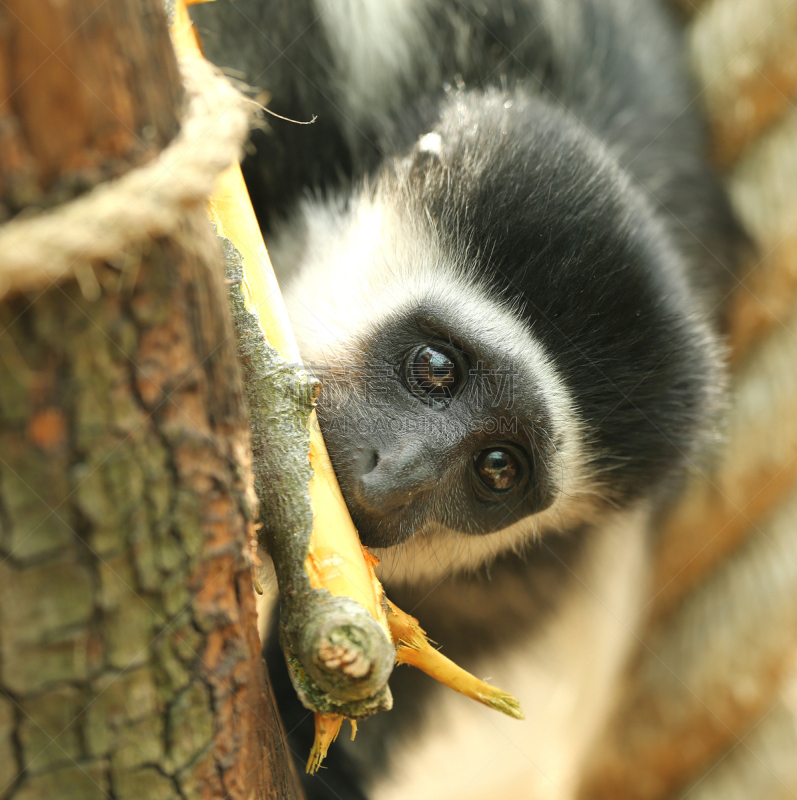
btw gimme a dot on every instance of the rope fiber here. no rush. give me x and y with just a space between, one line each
145 203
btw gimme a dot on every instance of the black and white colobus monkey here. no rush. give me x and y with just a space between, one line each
502 238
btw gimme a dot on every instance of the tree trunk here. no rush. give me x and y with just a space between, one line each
129 659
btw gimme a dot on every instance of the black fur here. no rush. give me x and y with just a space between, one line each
572 180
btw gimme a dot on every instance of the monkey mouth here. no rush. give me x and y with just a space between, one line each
388 529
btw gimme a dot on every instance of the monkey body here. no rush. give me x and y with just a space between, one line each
504 252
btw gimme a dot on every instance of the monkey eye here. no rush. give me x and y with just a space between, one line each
433 373
498 469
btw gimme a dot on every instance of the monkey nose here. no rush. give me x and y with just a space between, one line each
390 481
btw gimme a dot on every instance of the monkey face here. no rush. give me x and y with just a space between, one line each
505 353
435 428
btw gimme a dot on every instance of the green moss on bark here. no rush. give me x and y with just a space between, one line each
280 400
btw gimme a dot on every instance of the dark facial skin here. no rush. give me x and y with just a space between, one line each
428 432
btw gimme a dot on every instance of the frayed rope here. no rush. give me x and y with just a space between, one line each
145 203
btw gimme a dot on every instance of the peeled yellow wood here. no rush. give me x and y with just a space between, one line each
327 728
415 649
182 31
231 210
336 560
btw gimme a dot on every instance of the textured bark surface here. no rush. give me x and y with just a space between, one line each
89 90
129 656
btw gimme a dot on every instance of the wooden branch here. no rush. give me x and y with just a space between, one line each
129 658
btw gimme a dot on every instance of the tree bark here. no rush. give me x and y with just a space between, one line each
129 658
